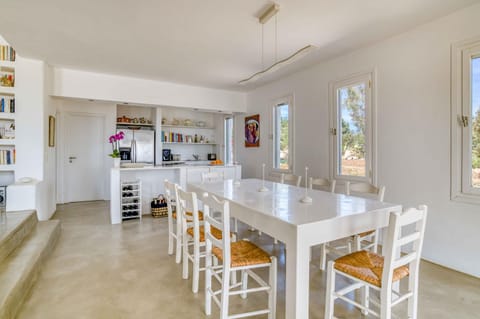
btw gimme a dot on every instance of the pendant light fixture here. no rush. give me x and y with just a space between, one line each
270 12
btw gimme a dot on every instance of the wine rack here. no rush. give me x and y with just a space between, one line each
131 201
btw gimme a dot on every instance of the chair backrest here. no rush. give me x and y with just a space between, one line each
210 177
187 203
291 179
362 189
322 184
212 206
170 196
399 236
277 178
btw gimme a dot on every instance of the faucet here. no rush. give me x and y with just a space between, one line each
196 156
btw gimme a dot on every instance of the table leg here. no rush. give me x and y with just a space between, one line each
297 280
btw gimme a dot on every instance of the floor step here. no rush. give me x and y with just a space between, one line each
13 229
19 271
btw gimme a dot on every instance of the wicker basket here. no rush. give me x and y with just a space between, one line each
159 211
159 207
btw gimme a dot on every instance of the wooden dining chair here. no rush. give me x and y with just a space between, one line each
291 179
193 235
174 225
323 184
211 177
367 240
329 186
242 256
368 270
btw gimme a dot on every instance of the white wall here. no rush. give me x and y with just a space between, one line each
413 102
88 85
109 111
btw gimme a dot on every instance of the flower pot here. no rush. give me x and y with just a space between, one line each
116 162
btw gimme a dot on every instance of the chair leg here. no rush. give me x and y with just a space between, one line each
225 294
208 286
235 225
196 268
185 256
386 303
365 298
244 275
170 235
413 300
178 253
272 294
329 298
323 256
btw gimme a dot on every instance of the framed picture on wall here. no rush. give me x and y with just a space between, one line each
252 131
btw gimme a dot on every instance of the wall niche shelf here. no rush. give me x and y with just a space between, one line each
123 124
184 143
190 127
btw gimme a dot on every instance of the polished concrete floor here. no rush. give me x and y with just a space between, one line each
123 271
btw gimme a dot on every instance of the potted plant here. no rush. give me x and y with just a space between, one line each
115 147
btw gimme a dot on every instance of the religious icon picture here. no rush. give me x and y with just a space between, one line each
252 131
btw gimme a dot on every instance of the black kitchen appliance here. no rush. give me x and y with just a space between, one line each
166 154
125 154
212 156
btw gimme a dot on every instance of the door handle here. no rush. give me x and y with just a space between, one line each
70 158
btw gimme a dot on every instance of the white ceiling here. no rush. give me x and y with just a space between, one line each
210 43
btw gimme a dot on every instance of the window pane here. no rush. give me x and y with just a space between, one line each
281 137
352 134
475 111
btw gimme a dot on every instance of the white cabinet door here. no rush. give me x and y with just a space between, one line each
194 174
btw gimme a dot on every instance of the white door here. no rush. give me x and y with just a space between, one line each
84 159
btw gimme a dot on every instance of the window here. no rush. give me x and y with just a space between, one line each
228 128
352 127
466 121
283 135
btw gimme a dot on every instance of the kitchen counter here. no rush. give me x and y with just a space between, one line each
175 166
152 178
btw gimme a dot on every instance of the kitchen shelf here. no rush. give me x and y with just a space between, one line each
134 124
7 90
183 143
189 126
6 141
7 116
7 64
7 168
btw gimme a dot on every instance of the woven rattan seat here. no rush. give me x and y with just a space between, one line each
367 266
365 233
244 253
200 215
215 232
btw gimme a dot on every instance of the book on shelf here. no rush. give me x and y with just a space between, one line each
7 53
7 156
7 78
7 104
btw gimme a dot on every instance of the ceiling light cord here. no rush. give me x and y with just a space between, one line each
263 61
276 40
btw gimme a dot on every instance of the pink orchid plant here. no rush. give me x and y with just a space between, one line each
114 141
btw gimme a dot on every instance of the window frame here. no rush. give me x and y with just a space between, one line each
288 100
369 78
225 135
461 137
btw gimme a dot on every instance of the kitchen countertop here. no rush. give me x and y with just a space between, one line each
169 167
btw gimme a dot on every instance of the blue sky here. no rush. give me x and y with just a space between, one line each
475 85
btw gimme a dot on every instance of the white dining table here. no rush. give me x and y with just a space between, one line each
280 213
